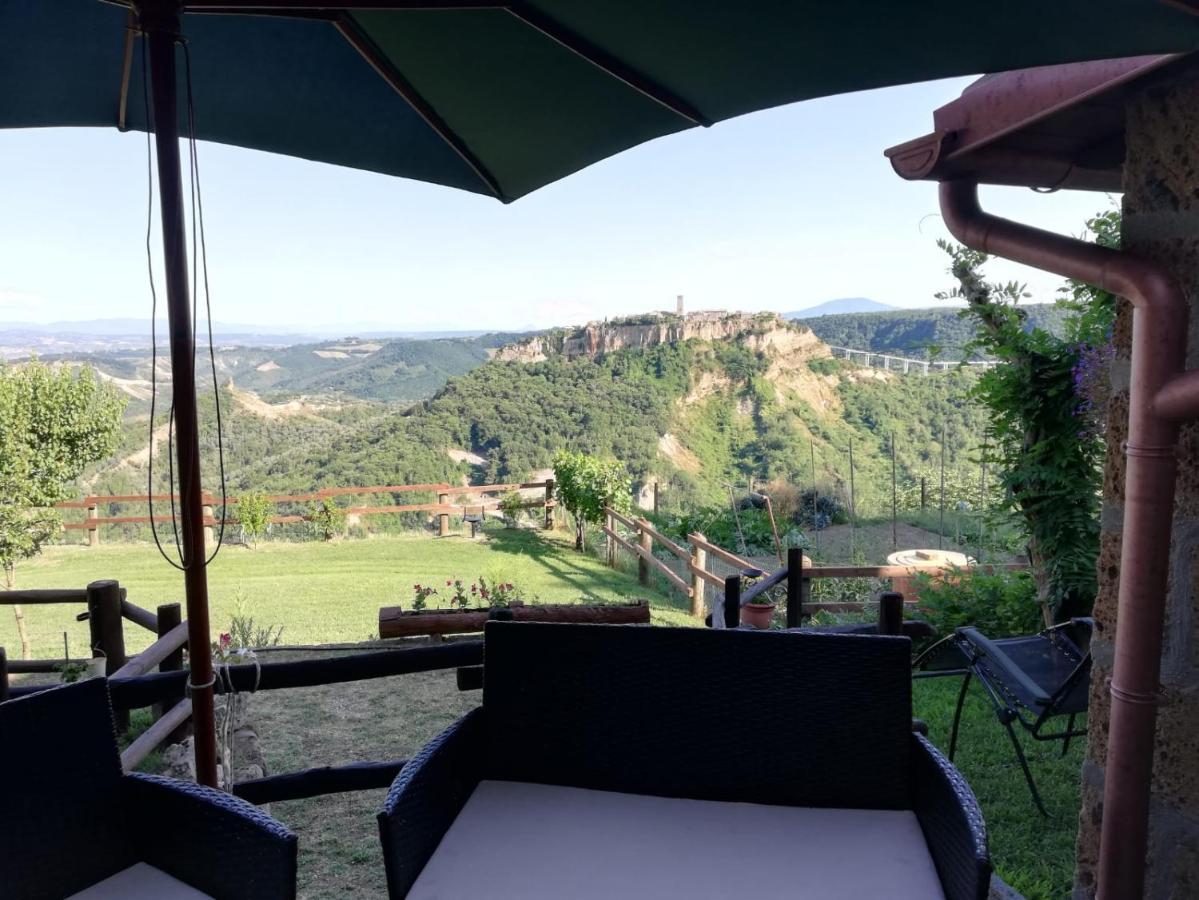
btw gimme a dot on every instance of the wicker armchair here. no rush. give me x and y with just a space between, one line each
653 762
74 824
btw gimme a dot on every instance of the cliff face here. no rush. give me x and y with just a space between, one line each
761 330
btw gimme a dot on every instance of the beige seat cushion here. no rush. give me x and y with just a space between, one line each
138 881
516 840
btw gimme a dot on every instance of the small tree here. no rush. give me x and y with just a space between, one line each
253 515
327 518
54 421
586 484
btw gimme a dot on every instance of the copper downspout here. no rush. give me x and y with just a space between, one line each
1158 356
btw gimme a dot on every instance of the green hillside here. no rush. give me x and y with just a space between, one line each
695 415
910 332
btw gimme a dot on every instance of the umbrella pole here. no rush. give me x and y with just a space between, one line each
160 24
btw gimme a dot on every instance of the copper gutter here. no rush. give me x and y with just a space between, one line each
1159 394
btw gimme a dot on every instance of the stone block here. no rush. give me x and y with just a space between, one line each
1090 819
1099 715
1175 775
1108 578
1186 496
1116 429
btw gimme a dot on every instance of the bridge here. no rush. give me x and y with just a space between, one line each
891 363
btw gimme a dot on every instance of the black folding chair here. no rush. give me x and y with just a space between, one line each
1029 679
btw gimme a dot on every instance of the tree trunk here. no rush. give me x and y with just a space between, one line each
1040 577
10 582
580 532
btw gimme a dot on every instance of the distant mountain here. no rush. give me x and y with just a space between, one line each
841 305
21 339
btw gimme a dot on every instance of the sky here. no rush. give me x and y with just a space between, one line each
777 210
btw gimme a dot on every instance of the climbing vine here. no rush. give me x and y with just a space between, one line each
1045 435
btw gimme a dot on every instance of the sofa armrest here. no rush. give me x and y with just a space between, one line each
213 841
425 799
952 823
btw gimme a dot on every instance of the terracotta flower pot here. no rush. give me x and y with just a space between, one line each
758 615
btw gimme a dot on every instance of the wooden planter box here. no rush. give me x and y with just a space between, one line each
397 622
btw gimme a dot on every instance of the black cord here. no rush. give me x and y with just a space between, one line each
154 333
198 216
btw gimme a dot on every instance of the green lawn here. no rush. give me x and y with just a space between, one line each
1033 854
322 593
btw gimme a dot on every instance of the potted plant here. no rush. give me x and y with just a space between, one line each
759 612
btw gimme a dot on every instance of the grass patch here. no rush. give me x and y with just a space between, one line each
323 593
1032 853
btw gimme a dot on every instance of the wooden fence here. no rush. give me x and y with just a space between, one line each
699 553
443 508
107 610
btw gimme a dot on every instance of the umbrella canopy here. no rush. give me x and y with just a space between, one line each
503 98
492 97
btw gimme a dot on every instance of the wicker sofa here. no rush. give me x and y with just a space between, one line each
611 761
75 826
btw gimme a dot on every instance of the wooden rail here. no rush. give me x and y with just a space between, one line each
647 555
148 741
442 508
396 622
318 781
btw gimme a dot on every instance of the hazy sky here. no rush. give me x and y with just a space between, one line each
776 210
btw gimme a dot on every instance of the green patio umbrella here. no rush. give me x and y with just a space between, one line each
492 97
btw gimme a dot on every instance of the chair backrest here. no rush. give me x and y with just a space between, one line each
783 718
60 777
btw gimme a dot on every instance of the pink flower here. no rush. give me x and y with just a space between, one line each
449 583
226 640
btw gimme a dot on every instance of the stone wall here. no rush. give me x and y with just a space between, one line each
1161 222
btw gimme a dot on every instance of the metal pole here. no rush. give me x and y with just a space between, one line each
160 24
815 503
982 504
941 528
853 508
894 500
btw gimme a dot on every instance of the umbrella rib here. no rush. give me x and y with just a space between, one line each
606 63
388 72
131 33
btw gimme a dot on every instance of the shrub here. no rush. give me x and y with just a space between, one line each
999 605
819 510
511 505
327 518
253 513
824 366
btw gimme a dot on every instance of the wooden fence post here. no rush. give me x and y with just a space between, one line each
795 579
3 675
890 613
732 601
108 632
610 524
699 562
443 518
655 497
206 510
549 504
93 529
169 616
647 544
